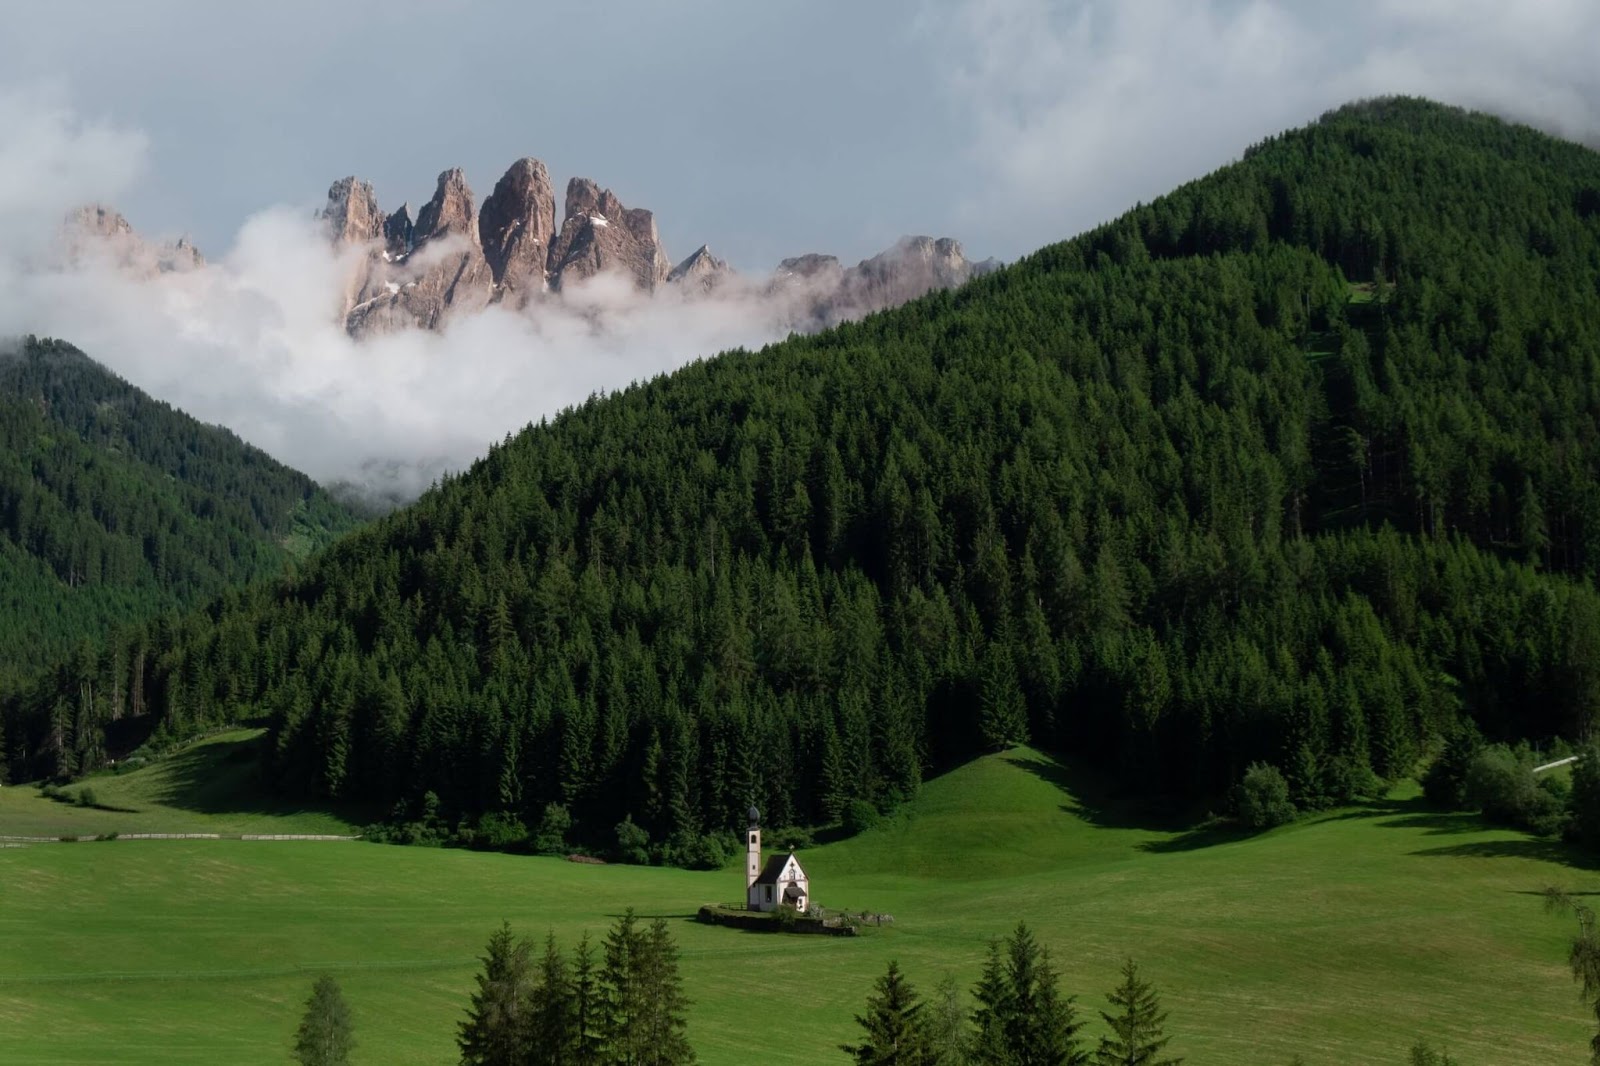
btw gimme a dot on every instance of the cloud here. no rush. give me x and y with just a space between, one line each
254 340
1076 110
52 160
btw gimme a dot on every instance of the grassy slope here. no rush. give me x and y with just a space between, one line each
207 787
1341 940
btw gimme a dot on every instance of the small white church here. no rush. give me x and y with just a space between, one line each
782 880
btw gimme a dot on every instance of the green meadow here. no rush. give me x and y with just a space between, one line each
1341 940
211 786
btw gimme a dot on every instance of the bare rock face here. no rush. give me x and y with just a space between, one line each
915 265
443 272
702 272
352 214
517 225
822 293
398 231
599 234
100 232
811 267
450 211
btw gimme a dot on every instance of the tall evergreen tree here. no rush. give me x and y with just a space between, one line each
992 1007
623 992
664 1022
588 1008
893 1025
325 1034
1136 1036
495 1031
1022 1019
551 1033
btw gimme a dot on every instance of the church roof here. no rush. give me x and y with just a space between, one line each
774 867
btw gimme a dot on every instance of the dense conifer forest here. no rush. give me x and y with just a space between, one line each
115 508
1296 465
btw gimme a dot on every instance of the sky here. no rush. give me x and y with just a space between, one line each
764 129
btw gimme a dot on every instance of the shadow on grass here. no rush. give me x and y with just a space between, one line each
1095 798
1092 797
228 777
1552 851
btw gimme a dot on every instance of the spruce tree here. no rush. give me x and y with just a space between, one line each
622 994
992 994
893 1024
664 1021
324 1037
587 1008
1136 1029
551 1028
1002 713
496 1029
1022 1019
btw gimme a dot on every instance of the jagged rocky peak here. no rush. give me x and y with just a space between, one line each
701 271
98 220
450 211
518 225
98 231
397 231
352 214
600 234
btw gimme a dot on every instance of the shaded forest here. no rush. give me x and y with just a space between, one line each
115 507
1295 465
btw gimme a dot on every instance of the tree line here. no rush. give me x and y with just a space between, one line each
1294 466
626 1007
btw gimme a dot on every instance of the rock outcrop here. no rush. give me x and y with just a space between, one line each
398 233
352 214
701 273
825 293
517 226
439 268
598 234
99 232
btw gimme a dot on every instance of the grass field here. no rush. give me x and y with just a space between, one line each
208 787
1342 940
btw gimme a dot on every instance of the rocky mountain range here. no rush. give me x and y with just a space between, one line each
455 257
456 260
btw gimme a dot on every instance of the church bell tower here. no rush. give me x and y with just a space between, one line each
752 862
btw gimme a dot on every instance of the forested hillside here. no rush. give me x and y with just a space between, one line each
1296 464
115 508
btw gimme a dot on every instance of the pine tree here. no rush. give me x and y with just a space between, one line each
587 1008
622 994
1022 1019
551 1029
993 996
893 1023
663 1024
498 1019
324 1037
1136 1035
1002 713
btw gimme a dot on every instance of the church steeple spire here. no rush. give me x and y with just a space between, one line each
752 863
